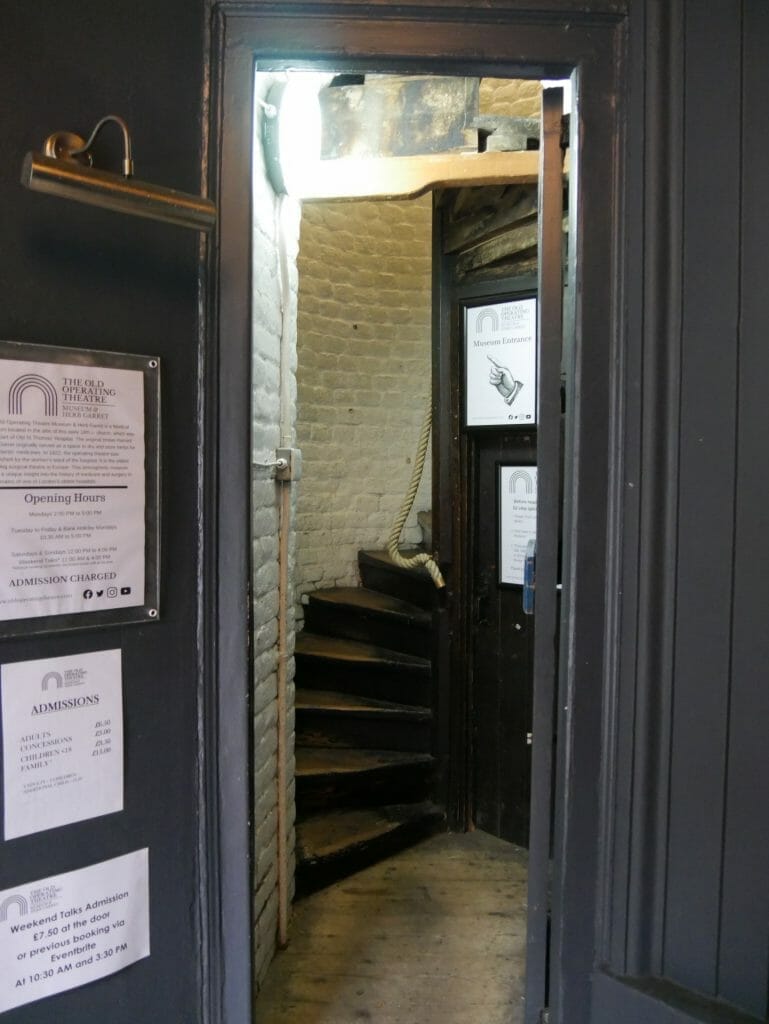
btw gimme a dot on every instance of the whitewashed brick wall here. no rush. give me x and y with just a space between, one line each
363 378
268 319
364 366
510 97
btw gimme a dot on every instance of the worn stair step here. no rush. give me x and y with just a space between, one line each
330 719
328 778
379 572
349 666
369 616
334 845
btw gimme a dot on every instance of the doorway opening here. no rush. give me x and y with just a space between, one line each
412 705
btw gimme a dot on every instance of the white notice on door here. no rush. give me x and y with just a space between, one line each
61 932
62 721
72 489
517 519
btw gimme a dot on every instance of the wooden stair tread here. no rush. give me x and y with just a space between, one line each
321 761
335 833
338 649
332 701
361 598
363 722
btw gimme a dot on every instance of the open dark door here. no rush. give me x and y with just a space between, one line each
546 634
498 258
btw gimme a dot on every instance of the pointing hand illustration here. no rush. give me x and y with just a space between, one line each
504 381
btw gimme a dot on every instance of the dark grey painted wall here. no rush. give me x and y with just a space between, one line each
689 900
718 841
77 276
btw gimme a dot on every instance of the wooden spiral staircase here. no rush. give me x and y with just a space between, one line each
363 722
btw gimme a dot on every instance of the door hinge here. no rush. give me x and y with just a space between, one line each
544 1015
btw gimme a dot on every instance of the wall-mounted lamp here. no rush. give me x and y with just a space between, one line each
64 168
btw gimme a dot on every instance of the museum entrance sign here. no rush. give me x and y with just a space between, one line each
78 488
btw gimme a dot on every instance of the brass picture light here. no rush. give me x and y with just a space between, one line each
65 168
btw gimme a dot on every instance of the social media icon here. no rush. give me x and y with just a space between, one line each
88 594
99 593
111 591
125 590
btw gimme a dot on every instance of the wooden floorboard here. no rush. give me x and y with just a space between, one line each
435 934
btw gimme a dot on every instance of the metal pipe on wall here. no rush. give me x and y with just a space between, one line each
282 716
284 206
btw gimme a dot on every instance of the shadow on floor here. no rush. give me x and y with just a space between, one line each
434 934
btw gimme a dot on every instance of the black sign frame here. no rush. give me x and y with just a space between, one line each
148 610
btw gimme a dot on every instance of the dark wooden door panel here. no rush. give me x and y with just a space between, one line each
502 638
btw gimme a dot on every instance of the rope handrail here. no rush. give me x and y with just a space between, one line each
423 559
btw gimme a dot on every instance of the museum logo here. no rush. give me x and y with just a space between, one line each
19 902
47 897
487 315
52 677
32 382
520 476
70 677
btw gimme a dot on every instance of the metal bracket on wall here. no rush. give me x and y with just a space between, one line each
287 464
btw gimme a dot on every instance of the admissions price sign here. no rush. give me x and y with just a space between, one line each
64 931
62 722
78 486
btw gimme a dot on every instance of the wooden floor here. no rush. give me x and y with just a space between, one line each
434 934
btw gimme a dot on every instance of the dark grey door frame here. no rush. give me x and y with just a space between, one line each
226 539
503 38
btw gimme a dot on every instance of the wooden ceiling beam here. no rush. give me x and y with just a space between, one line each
410 176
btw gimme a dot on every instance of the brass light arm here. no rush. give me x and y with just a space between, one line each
128 164
65 168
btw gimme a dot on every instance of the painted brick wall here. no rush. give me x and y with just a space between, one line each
510 97
271 220
364 367
363 379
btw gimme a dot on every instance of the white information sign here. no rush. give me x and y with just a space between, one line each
61 932
501 364
62 741
517 519
72 488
